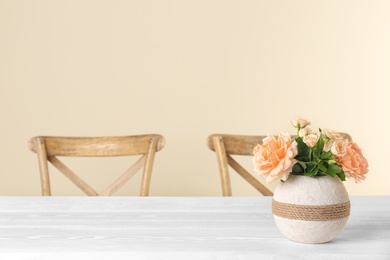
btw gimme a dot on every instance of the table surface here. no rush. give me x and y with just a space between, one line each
177 228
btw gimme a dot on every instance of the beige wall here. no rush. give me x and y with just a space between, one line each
186 69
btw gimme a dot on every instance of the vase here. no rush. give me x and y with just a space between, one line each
311 210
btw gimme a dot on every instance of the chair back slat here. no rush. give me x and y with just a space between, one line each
48 148
99 146
237 144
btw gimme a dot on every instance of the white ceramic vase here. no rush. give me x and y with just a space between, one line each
311 209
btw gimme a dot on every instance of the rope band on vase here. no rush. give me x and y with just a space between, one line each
311 212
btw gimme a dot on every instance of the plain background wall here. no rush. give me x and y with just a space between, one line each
186 69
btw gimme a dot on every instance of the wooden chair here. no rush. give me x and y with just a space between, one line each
48 148
226 145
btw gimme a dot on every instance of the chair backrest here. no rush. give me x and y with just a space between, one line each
226 145
48 148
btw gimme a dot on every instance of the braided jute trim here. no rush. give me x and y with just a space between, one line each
311 212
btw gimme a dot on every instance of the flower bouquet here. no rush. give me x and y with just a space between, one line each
310 154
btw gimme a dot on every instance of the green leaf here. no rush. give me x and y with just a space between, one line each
303 164
341 175
310 166
302 159
334 168
297 168
326 155
311 170
319 147
303 149
330 162
322 168
331 173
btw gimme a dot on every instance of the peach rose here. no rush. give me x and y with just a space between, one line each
310 139
353 162
331 134
274 158
303 132
339 147
299 122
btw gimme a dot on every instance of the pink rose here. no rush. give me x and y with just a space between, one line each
274 158
328 145
303 131
299 122
353 162
331 134
310 139
339 147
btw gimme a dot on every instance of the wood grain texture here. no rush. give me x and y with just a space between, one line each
226 145
97 146
220 152
236 144
176 228
49 148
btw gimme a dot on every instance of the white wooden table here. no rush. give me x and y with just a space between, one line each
176 228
